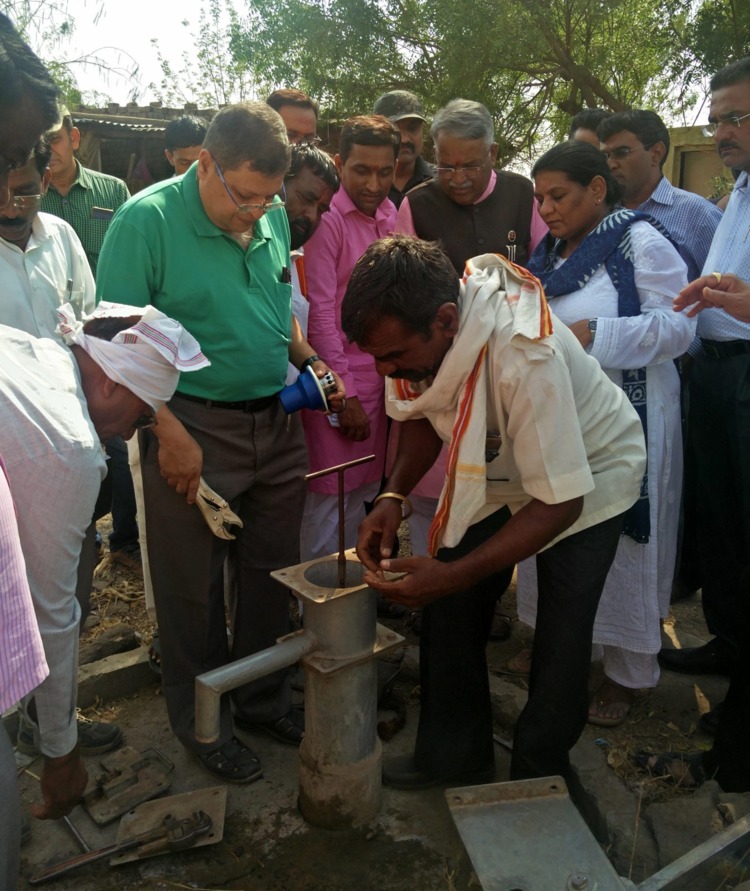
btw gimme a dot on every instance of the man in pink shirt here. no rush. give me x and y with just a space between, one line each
360 214
470 207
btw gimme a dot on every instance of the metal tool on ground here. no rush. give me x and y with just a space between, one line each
534 815
173 835
340 754
216 511
125 779
151 815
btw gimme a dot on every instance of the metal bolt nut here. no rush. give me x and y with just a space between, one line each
579 881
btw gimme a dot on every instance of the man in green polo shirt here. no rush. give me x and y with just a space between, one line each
212 247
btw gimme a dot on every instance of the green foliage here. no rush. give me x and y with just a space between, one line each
720 33
529 61
213 74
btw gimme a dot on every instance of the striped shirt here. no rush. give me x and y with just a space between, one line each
90 190
689 219
22 662
730 252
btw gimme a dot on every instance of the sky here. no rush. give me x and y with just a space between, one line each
122 35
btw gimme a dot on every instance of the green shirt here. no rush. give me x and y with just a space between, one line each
90 189
163 249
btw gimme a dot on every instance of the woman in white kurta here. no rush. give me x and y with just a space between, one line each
633 331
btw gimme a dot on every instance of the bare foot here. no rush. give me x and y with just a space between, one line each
610 704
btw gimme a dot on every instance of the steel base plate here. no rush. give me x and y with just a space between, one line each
148 816
528 836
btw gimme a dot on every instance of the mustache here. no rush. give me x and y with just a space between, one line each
409 145
12 222
727 144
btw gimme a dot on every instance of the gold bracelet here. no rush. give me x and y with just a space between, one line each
406 511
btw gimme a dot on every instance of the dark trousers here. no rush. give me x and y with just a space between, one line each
257 461
571 577
719 438
455 724
124 523
728 761
455 720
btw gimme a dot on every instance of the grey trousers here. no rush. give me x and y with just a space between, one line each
257 461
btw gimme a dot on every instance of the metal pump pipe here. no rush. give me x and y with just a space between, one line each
210 686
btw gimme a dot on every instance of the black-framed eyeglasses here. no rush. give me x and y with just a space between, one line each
144 422
470 171
732 120
265 207
622 151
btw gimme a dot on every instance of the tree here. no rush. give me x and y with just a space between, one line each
215 75
534 63
48 27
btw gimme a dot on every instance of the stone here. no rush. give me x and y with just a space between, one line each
684 822
611 812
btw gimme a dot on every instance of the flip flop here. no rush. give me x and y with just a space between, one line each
610 694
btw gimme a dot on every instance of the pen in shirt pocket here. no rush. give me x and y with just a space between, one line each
286 275
70 288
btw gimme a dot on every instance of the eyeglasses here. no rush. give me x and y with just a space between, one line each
265 207
733 120
298 139
622 152
23 202
470 171
144 422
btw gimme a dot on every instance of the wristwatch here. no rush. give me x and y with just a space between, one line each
310 360
592 328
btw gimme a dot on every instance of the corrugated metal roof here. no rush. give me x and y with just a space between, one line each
137 125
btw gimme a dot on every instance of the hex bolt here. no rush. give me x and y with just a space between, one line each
579 881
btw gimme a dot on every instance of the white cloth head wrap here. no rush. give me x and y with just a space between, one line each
146 358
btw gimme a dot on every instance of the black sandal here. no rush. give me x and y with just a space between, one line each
660 769
233 762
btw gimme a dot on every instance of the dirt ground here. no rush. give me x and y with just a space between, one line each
267 846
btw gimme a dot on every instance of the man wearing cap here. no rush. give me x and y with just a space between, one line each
85 198
407 113
56 407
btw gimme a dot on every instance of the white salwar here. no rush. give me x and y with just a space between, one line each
637 593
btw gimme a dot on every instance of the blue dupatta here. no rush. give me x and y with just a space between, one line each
609 245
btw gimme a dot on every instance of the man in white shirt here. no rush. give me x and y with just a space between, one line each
545 455
42 261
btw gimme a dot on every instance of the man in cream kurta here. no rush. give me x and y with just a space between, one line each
545 455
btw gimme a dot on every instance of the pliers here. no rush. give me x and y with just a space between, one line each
216 512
